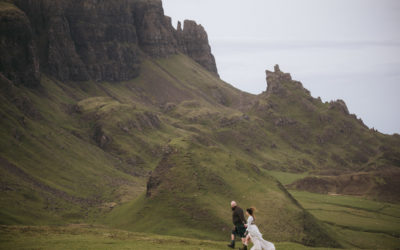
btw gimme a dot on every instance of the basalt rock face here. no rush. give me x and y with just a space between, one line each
18 61
80 40
154 30
83 40
193 41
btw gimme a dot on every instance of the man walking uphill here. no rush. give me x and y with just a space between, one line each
239 221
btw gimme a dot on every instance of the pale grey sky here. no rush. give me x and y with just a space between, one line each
338 49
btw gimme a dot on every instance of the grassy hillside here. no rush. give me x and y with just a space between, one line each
166 152
193 194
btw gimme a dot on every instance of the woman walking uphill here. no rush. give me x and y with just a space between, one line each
239 222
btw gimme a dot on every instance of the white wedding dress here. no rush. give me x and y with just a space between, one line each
256 237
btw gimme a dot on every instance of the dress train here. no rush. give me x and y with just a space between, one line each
256 237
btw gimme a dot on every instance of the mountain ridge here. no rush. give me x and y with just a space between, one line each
89 40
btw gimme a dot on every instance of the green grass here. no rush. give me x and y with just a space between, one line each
87 237
356 221
347 201
286 177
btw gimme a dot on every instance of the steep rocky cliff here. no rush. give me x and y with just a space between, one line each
154 30
18 58
94 40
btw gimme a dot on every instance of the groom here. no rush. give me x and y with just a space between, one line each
239 221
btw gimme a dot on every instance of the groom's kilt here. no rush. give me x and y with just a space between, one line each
239 230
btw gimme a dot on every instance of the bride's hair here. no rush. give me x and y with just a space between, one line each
251 211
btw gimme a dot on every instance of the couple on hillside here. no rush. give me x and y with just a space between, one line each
247 230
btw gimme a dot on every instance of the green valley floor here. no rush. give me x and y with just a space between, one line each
354 221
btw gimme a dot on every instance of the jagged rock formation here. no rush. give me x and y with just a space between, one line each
193 41
302 119
93 40
274 80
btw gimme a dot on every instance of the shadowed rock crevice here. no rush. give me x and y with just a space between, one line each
159 173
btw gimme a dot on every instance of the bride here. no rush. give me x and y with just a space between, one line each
254 234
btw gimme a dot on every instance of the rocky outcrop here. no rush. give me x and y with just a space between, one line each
284 121
159 173
18 61
274 80
80 40
339 105
193 41
142 121
282 85
100 137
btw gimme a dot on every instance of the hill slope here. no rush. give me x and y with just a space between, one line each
124 134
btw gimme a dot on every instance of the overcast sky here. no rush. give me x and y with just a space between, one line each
338 49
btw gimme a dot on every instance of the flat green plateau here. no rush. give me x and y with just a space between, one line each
355 222
97 237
